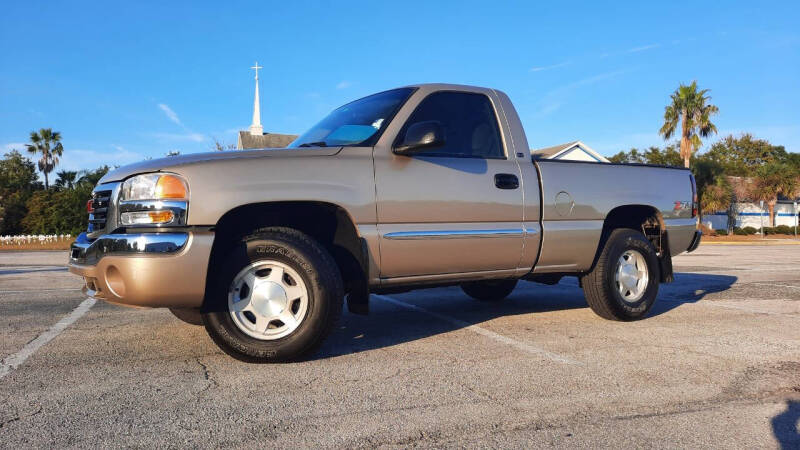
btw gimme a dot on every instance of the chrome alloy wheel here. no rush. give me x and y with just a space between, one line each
631 276
267 300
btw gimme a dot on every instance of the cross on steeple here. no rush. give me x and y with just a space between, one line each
255 128
256 67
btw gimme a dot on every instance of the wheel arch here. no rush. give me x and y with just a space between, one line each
649 221
330 224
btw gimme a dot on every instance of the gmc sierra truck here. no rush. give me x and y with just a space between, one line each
415 187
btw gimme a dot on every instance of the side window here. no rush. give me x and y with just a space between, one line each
469 123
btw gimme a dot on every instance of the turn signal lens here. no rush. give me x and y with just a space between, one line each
170 187
147 217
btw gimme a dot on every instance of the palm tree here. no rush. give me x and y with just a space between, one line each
66 178
689 107
716 197
772 180
92 177
48 143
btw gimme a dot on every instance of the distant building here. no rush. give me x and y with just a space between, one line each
255 137
748 213
574 151
248 140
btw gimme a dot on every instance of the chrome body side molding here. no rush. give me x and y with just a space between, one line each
457 234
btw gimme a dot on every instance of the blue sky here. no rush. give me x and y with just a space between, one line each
122 81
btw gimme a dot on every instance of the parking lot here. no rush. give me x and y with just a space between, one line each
717 363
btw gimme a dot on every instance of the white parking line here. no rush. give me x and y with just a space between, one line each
482 331
779 285
16 360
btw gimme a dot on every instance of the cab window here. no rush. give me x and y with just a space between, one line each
469 123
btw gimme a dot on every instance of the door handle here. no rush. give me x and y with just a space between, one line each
506 181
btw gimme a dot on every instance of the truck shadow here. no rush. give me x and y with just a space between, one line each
784 426
421 314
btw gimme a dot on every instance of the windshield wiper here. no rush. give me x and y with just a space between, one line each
314 144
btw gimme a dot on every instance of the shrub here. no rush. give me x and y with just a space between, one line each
783 229
750 230
739 232
721 232
768 230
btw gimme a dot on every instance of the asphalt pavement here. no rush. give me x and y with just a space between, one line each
716 364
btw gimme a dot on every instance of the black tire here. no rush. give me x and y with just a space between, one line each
600 287
489 290
318 271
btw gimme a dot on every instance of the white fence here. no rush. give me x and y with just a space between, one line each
751 215
28 239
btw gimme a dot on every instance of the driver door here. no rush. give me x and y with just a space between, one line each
453 209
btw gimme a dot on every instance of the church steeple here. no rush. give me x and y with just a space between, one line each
255 128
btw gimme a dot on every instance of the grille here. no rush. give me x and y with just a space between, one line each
97 220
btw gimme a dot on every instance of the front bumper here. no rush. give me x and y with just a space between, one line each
144 269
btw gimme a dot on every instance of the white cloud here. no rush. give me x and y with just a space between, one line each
554 99
171 115
548 109
642 48
584 82
14 146
84 159
192 137
344 84
553 66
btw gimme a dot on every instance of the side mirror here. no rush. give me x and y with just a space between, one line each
419 136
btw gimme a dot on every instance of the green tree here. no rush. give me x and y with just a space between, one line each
66 179
689 109
705 174
716 197
47 143
18 180
90 178
771 181
741 156
632 156
668 156
58 211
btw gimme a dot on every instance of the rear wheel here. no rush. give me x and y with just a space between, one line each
489 290
624 283
276 296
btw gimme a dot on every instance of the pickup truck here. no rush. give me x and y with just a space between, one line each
415 187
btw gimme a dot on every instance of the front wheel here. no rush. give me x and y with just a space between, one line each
624 283
276 296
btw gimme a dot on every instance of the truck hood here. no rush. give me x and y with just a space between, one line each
173 163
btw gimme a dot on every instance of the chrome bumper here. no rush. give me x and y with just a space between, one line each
144 269
84 252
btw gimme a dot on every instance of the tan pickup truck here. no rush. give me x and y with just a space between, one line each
414 187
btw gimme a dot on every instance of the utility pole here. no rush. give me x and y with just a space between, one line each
796 219
761 216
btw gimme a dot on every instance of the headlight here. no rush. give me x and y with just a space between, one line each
155 186
154 199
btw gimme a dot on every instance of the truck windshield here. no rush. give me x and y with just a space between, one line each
358 123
